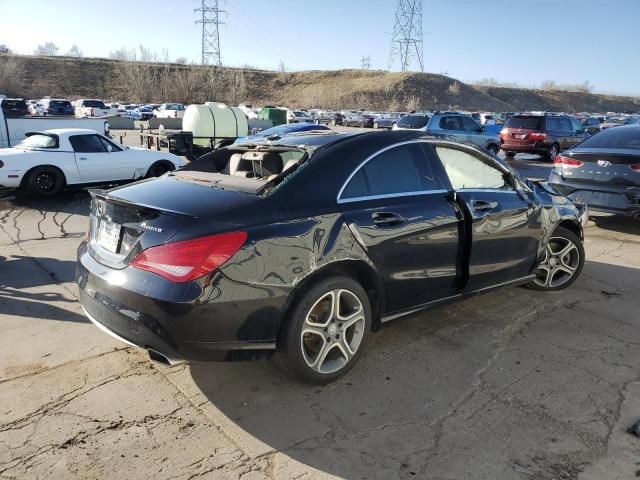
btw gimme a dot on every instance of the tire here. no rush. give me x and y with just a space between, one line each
510 153
315 345
160 168
568 252
554 151
375 125
45 181
493 148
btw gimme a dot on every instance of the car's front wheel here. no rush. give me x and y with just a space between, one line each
493 148
326 330
562 263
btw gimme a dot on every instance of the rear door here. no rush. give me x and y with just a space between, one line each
399 209
505 227
560 131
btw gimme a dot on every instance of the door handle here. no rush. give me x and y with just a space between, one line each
483 205
82 158
387 219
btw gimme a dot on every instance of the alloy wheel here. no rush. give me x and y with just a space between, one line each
333 331
561 261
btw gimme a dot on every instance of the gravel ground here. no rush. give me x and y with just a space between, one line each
513 384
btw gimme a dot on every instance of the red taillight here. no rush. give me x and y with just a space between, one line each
537 136
567 162
635 167
190 259
504 131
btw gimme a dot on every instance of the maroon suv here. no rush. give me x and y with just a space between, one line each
545 135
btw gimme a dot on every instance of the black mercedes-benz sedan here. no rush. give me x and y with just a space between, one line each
306 244
603 171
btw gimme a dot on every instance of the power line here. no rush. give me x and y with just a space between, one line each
365 63
407 37
210 20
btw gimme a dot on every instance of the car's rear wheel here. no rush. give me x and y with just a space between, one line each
562 263
510 153
160 168
326 330
45 181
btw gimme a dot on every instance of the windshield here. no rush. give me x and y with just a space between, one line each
300 114
617 120
59 103
38 141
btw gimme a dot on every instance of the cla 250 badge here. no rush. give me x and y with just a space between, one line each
151 228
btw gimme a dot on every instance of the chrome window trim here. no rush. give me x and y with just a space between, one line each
391 195
388 195
485 190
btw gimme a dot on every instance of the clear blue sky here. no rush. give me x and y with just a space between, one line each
568 41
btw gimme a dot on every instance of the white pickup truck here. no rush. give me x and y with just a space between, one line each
14 129
91 107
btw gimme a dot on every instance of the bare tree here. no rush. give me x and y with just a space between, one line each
11 70
74 51
181 60
49 49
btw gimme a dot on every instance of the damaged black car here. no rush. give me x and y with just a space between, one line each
304 245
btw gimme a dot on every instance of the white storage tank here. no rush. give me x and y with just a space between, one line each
216 121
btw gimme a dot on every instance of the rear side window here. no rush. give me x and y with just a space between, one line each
402 169
413 121
466 171
619 137
451 123
531 123
87 144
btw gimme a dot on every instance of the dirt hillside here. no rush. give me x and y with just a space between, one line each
35 77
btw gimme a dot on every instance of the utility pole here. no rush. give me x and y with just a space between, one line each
366 63
210 20
407 37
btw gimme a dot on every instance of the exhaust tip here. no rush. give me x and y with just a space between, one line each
158 358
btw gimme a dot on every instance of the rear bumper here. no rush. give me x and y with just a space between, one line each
620 200
539 148
195 321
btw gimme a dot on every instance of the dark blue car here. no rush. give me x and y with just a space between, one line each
282 130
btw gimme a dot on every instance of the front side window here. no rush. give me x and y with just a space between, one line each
470 125
401 169
87 144
467 171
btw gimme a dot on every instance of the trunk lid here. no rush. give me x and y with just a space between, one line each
126 220
610 167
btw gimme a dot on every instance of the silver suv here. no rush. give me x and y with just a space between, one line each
453 124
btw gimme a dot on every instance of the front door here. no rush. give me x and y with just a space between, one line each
99 160
398 208
505 226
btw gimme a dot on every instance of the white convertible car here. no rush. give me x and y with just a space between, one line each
46 162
